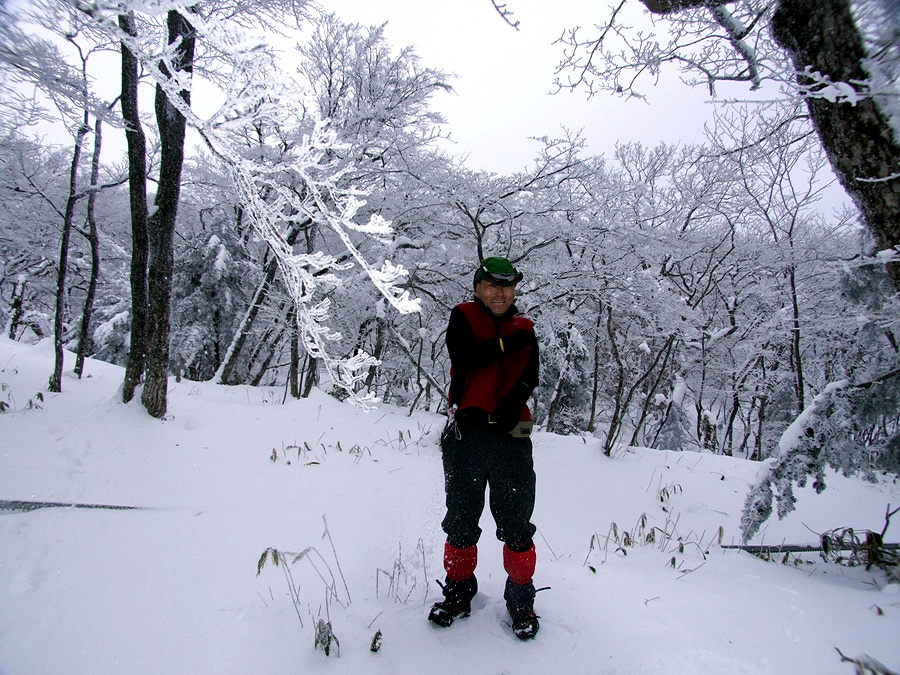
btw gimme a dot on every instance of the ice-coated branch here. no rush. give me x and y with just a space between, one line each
736 33
275 182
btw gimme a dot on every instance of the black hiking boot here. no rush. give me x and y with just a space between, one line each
524 622
520 603
444 612
457 601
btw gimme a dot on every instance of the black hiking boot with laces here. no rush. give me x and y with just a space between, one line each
520 603
524 622
457 601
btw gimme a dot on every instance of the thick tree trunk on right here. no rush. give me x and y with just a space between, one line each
172 127
822 36
858 138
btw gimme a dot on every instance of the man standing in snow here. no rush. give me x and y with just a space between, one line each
494 369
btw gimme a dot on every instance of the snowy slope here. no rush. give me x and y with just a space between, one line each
173 587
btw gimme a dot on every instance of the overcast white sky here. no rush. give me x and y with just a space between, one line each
504 77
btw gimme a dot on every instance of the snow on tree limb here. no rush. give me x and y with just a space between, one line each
848 427
276 182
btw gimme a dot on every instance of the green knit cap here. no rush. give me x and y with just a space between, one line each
498 271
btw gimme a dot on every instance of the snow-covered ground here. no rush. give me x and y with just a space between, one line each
231 471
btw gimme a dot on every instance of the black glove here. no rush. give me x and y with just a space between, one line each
507 416
468 418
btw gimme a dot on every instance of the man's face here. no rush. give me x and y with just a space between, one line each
496 298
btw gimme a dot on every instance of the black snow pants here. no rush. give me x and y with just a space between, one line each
479 457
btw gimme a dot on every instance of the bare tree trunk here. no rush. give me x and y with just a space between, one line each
223 375
423 386
665 352
295 356
557 394
796 352
264 367
615 421
379 348
55 383
728 437
743 447
595 378
310 376
761 420
137 188
16 307
172 128
93 237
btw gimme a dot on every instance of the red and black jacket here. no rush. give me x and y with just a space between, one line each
494 360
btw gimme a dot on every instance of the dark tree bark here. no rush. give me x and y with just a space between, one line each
671 6
595 375
55 383
93 237
294 370
172 126
17 307
858 139
137 188
310 376
822 35
615 422
666 353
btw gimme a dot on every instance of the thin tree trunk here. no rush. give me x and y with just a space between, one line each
423 386
137 189
223 375
264 367
55 383
595 378
16 307
94 240
667 352
378 350
310 377
294 375
615 421
796 354
728 439
557 394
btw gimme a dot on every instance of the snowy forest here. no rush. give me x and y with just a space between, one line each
255 193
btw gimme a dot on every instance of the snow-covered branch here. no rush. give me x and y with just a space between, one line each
298 175
848 427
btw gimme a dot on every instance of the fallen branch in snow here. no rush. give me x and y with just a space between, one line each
866 547
796 548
